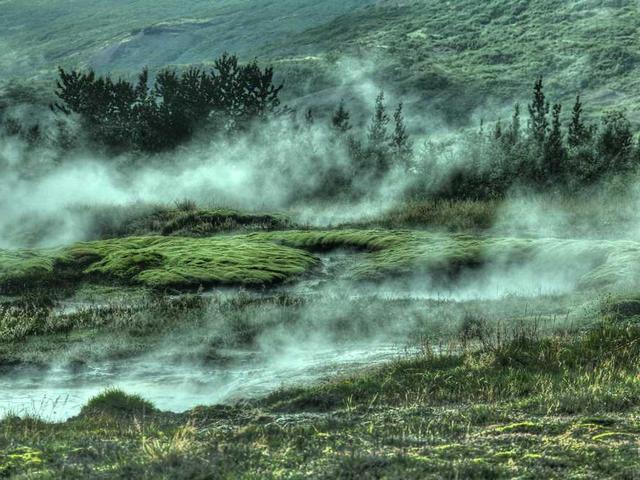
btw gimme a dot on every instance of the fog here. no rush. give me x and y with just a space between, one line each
49 197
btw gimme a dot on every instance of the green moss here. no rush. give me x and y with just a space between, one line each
160 262
115 402
405 252
208 222
266 258
26 266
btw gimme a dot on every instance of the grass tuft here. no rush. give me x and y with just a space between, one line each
117 403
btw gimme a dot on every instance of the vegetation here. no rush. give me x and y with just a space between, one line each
519 406
265 258
123 115
158 262
116 403
502 280
183 219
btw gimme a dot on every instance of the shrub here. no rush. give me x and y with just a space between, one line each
115 402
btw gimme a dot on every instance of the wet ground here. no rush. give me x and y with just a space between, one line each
58 392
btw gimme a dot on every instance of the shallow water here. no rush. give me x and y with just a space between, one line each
58 393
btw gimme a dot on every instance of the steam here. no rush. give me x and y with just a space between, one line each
273 168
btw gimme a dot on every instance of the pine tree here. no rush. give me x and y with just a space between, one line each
555 154
341 119
378 128
400 138
538 111
579 133
514 130
308 117
497 130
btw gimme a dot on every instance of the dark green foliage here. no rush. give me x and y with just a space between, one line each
309 120
377 133
579 132
341 119
400 143
513 135
114 402
542 158
123 115
615 142
554 151
538 111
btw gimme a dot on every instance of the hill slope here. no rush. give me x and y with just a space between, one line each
452 57
463 54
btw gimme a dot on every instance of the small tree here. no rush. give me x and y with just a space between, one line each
554 152
538 111
579 132
514 130
615 142
309 119
377 134
400 142
340 120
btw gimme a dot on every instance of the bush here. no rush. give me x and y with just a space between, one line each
123 115
116 403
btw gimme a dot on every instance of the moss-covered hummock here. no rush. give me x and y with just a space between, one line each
158 262
266 258
597 263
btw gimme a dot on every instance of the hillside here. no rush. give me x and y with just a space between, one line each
465 54
122 35
449 57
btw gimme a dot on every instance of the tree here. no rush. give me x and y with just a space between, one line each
579 132
554 151
340 120
400 142
123 115
497 130
538 111
309 119
514 129
378 134
615 142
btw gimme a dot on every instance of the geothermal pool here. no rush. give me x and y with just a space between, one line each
58 393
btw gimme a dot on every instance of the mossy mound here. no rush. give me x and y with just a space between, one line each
116 403
158 262
267 258
401 252
185 220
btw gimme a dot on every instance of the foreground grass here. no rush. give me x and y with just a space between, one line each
526 406
266 258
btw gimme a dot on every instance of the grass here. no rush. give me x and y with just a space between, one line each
267 258
521 406
158 262
454 56
184 219
128 38
116 403
402 252
449 57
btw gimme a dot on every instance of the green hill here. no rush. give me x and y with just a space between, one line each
463 54
450 56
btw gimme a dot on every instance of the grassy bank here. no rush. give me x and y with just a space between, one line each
267 258
157 262
521 405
